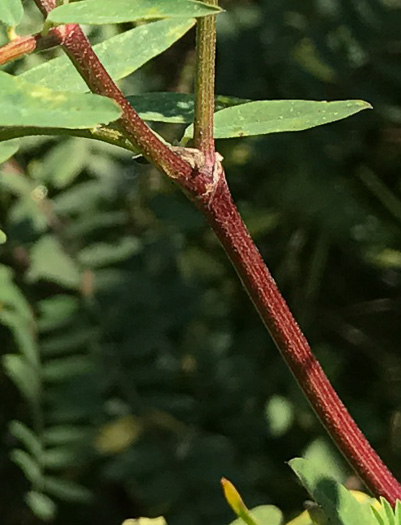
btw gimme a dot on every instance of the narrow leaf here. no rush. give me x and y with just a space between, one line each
66 490
27 464
147 40
119 11
175 108
11 12
337 502
50 262
26 104
23 375
277 116
41 505
27 437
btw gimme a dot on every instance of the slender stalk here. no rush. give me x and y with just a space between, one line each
25 45
103 134
203 180
223 217
204 83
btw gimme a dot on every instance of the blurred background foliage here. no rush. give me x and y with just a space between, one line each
149 375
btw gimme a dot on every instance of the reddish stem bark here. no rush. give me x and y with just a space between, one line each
206 185
27 44
222 215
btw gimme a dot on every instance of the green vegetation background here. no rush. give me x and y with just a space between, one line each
156 376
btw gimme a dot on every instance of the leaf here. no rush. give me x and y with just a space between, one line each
62 164
8 148
3 237
41 505
263 515
62 369
147 40
175 108
66 490
279 414
23 375
237 504
27 464
68 341
119 11
26 104
61 457
50 262
66 434
11 12
277 116
103 254
56 311
337 502
27 437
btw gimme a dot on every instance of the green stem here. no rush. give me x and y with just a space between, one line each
109 135
204 83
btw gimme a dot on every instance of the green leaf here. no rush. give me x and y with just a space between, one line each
277 116
62 164
3 237
8 149
66 490
103 254
66 434
50 262
27 437
62 369
41 505
11 12
337 502
26 104
325 457
147 40
119 11
263 515
61 457
23 375
175 108
279 414
57 311
27 464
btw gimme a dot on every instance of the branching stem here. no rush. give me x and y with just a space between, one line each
204 83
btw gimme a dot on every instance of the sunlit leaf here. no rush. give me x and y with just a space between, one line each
175 108
147 40
277 116
118 11
26 104
336 501
11 12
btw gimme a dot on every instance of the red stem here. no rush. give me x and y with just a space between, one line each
207 187
222 215
27 44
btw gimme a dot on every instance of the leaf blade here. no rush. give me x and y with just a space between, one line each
26 104
11 12
149 40
120 11
262 117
